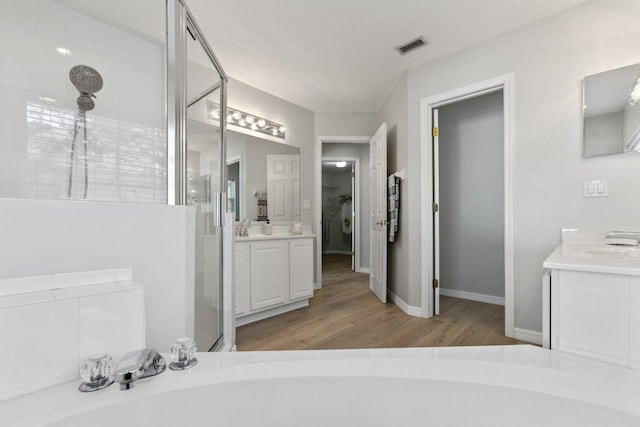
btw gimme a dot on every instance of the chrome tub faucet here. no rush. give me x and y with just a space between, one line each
136 365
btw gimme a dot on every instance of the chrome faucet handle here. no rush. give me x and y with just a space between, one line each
96 373
183 353
138 364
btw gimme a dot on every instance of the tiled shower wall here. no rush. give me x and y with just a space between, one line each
39 42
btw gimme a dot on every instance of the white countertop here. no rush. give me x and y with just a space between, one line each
594 256
280 236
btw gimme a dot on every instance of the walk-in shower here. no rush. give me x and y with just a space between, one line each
87 81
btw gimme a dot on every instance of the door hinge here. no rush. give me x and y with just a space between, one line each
435 283
435 207
434 132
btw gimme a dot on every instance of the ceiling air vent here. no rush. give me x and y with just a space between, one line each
413 44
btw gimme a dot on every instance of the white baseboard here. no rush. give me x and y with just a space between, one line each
489 299
335 251
527 335
245 320
363 270
410 310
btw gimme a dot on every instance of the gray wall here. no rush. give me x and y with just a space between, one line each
549 59
360 151
333 239
603 134
471 165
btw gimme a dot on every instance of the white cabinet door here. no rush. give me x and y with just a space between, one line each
269 273
634 322
301 268
242 277
593 315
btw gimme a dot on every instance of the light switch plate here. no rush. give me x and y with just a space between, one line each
596 188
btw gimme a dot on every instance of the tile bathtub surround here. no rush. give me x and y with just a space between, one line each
54 322
39 42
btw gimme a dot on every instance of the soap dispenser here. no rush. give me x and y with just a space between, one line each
268 228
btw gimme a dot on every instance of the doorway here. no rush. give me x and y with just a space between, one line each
431 214
339 220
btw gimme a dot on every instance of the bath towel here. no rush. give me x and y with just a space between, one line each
345 218
393 206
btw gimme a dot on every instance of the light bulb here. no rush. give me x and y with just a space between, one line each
250 119
254 126
262 123
281 129
242 122
237 116
274 131
341 164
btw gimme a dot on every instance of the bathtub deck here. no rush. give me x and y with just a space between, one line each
345 314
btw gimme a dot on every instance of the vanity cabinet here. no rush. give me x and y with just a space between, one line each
272 276
593 314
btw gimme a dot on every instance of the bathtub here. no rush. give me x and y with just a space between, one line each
481 386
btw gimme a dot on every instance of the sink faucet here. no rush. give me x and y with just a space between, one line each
138 364
243 230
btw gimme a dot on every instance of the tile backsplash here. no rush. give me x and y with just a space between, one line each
39 43
52 323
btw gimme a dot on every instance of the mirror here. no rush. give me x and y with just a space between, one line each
263 179
611 112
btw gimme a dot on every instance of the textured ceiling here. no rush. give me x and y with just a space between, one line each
338 55
334 55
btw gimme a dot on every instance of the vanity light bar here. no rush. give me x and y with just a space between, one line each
247 121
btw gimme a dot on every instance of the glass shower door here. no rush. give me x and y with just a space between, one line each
204 183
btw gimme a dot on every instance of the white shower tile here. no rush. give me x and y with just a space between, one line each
18 72
130 108
51 19
130 50
48 54
152 59
25 284
17 40
83 278
13 118
51 83
106 39
18 167
130 78
43 340
19 12
112 323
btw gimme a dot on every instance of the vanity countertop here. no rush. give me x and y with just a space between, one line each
279 236
595 256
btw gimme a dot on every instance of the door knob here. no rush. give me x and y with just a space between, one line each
382 222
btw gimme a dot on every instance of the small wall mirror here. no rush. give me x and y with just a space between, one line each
611 112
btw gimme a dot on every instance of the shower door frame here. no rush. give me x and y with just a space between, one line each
180 23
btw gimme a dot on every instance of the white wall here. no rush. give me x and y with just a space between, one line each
48 237
346 124
471 211
360 151
549 59
126 130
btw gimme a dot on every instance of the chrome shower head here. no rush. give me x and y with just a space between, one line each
88 81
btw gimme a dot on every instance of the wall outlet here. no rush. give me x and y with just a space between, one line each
596 188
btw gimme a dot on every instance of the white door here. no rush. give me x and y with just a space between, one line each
283 187
436 217
378 227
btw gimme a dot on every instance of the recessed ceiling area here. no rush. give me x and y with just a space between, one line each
338 56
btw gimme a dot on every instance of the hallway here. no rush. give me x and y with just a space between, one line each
345 314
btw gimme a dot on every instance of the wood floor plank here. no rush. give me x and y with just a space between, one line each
345 314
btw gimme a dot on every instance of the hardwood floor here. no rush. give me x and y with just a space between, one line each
345 314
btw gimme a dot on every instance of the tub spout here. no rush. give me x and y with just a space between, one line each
138 364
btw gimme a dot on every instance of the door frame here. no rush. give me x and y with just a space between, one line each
243 178
506 84
355 227
317 218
